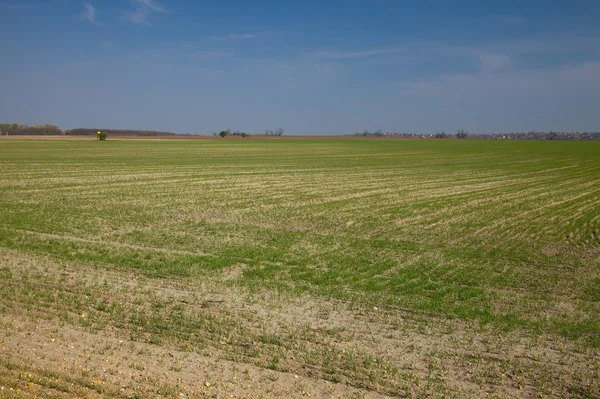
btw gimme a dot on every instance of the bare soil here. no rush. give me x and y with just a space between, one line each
322 348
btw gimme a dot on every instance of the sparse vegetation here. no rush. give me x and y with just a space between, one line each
461 134
292 267
278 132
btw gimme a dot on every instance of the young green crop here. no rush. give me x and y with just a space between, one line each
414 268
500 232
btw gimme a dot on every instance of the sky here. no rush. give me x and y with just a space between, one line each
307 66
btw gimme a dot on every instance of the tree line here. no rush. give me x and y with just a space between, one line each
229 132
463 134
460 134
116 132
17 129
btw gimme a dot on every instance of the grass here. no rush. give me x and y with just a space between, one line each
502 235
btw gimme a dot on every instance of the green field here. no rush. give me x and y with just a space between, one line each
461 268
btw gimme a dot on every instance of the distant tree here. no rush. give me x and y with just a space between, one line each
461 134
441 135
102 136
365 133
224 133
378 133
278 132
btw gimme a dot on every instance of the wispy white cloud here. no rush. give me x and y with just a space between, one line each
141 15
584 43
151 4
506 86
89 13
354 54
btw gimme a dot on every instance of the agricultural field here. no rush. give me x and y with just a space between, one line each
299 267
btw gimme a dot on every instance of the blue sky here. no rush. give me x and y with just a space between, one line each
308 66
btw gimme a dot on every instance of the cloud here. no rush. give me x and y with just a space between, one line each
241 36
354 54
141 14
151 4
512 86
89 13
584 43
